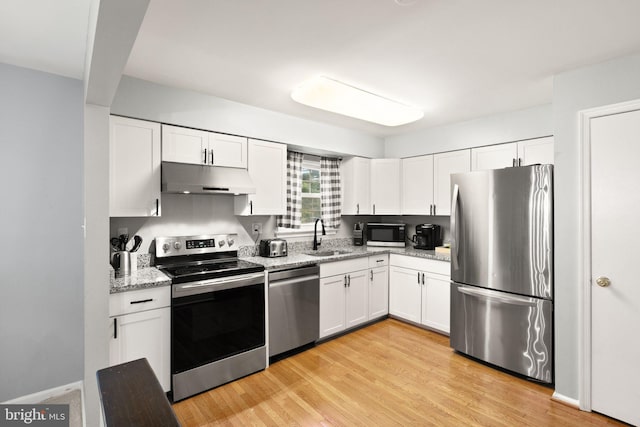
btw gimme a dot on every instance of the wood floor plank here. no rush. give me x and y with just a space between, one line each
387 374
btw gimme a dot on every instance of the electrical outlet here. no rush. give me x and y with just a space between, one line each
256 227
123 230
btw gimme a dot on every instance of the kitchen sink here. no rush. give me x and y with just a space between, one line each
328 253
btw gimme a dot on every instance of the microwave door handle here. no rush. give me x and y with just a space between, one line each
455 226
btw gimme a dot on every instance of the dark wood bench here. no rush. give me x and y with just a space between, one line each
132 396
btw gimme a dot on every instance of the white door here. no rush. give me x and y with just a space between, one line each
536 151
355 176
357 298
615 209
144 334
417 185
445 164
227 150
494 156
268 170
134 167
332 303
185 145
405 293
385 186
436 302
378 292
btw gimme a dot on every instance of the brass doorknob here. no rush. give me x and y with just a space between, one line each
603 282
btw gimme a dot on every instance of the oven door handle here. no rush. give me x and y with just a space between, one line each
213 285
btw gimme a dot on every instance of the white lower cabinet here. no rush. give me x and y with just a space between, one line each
141 327
351 293
378 286
419 291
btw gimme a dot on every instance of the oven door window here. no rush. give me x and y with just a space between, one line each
216 325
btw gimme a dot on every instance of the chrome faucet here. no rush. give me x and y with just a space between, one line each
315 233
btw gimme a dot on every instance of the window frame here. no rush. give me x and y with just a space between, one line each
306 230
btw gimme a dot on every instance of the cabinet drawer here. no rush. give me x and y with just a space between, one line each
343 267
422 264
141 300
381 260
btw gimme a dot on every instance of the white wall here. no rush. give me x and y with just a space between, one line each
41 307
597 85
505 127
145 100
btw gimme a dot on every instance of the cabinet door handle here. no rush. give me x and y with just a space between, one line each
115 328
513 162
141 301
418 277
250 207
371 272
205 156
423 278
519 161
349 280
345 280
374 208
357 208
434 209
211 151
157 207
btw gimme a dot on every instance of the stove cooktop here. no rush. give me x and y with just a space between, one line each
212 270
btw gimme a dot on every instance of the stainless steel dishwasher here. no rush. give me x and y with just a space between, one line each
294 308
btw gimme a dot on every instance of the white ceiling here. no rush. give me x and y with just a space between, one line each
456 59
45 35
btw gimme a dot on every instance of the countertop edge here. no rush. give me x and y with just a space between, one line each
151 277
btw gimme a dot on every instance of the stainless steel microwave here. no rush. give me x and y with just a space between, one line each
385 234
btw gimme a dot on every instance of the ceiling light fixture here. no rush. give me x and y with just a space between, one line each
332 95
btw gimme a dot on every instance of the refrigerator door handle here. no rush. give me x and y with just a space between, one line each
491 295
454 226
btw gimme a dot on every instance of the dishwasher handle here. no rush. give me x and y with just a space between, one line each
285 282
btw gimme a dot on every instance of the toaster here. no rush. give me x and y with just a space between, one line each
272 248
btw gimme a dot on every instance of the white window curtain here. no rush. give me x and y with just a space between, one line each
291 219
331 206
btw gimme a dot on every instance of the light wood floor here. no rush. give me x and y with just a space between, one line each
387 374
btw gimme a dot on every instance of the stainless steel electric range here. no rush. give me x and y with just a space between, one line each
217 312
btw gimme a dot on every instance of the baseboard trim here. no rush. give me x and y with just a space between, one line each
46 394
574 403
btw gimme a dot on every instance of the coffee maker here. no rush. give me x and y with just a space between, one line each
427 236
358 234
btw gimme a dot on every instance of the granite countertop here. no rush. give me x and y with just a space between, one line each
149 277
146 277
296 259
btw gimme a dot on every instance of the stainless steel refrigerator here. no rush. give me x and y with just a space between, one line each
502 268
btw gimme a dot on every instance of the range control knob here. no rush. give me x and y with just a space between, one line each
221 243
230 242
165 247
177 245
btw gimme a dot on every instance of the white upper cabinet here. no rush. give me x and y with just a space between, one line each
494 156
228 150
385 186
268 171
536 151
134 167
184 145
521 153
356 187
445 164
417 185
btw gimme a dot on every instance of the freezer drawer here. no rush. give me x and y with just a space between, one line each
510 331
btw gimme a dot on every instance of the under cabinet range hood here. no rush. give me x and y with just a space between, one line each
200 179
